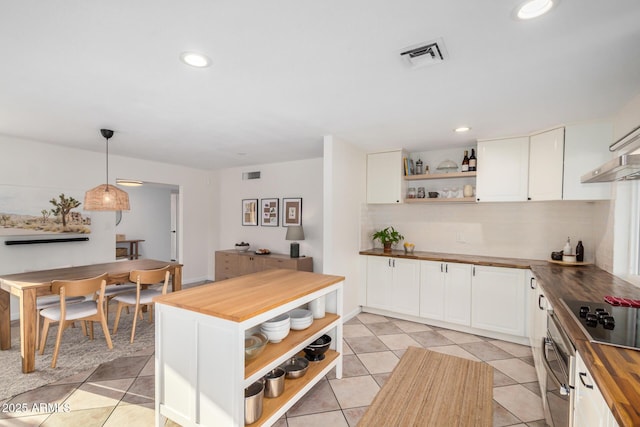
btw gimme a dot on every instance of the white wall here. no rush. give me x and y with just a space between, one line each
344 196
26 163
149 219
517 230
278 180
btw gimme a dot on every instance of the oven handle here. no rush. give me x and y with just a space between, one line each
563 388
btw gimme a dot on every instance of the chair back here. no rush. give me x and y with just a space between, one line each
151 277
75 288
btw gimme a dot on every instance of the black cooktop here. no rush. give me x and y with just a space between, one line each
608 324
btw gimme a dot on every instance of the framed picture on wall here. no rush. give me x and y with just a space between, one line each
269 212
249 211
291 212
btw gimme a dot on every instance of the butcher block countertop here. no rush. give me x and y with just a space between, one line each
244 297
616 370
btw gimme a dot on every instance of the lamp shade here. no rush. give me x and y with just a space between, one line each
106 197
295 232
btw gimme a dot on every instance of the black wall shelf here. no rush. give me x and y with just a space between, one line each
37 241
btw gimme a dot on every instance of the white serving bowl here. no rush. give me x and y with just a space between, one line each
276 328
275 336
300 314
299 326
283 319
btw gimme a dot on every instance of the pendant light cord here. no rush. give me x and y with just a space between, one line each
107 156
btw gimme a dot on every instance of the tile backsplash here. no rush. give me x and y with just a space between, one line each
516 229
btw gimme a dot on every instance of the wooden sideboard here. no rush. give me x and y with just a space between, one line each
231 263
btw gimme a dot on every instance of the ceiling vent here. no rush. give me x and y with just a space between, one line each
424 54
250 175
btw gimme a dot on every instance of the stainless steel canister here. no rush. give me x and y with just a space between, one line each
253 402
274 383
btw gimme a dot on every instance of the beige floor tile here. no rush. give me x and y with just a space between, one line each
149 368
520 401
124 367
354 392
27 421
366 344
75 379
350 331
141 392
98 394
384 328
354 415
83 418
460 337
517 369
430 339
282 422
379 363
455 350
381 379
502 417
516 349
407 326
131 415
49 395
353 321
398 341
367 318
352 366
501 379
319 399
345 348
333 419
486 351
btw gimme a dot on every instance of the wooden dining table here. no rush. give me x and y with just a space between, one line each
28 286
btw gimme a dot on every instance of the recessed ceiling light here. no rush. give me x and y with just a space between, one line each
462 129
129 182
533 8
195 59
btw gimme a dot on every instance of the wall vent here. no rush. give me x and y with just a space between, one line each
424 54
251 175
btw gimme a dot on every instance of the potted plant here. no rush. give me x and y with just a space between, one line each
388 237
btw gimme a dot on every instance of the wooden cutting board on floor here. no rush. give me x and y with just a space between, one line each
427 388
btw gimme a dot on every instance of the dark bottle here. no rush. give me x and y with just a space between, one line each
472 161
465 162
580 252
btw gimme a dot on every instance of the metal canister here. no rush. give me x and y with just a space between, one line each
419 167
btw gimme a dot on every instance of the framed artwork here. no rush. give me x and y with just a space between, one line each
291 212
249 211
269 212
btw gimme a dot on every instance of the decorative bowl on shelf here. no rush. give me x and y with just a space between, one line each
254 344
242 246
433 194
315 351
263 251
301 319
448 166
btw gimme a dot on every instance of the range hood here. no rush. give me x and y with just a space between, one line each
625 167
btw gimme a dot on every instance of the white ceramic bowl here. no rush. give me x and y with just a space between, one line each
300 314
276 328
283 319
301 325
275 336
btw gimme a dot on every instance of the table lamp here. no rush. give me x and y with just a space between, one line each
295 232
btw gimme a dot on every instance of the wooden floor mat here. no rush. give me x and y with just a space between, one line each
433 389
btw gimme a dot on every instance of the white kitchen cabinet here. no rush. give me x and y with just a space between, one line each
445 291
384 177
503 166
537 311
546 163
589 407
498 300
200 372
393 284
586 147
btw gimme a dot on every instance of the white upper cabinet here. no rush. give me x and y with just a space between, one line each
546 160
503 166
384 177
586 148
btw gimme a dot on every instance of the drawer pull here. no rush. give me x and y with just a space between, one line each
583 375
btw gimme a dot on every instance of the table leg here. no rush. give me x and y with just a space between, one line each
28 330
176 279
5 320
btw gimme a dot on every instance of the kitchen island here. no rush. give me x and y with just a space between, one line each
200 369
616 370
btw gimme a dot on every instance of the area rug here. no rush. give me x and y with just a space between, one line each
428 388
77 354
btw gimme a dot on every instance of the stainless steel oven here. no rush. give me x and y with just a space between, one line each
558 356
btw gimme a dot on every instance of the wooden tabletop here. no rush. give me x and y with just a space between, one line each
244 297
118 271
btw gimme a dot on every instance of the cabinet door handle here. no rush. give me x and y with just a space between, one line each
531 281
473 271
389 262
441 268
583 375
540 302
446 268
394 263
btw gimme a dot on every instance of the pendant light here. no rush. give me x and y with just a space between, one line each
106 197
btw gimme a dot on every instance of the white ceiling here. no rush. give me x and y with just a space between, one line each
287 72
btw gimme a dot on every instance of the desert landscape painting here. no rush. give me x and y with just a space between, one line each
36 211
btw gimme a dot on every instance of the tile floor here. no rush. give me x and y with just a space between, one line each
121 393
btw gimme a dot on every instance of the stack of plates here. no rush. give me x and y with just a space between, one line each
277 328
300 319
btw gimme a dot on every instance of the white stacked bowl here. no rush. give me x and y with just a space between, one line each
300 319
277 328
